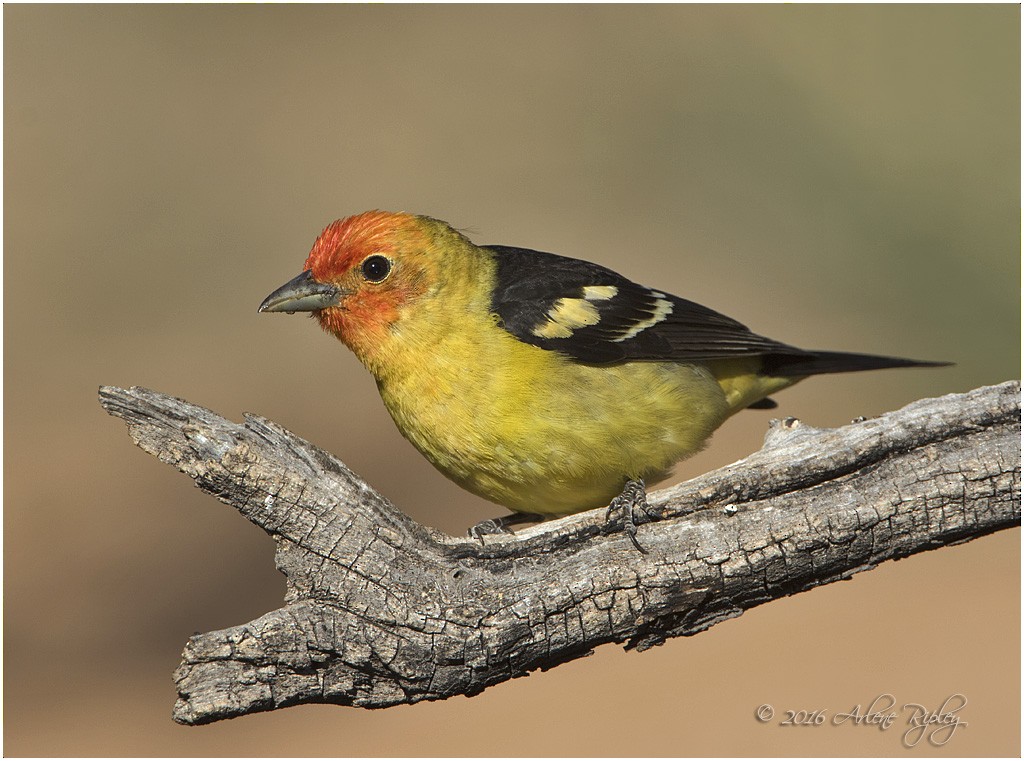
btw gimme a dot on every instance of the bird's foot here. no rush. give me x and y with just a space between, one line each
632 500
500 524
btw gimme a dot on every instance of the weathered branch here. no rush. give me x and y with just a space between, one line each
381 611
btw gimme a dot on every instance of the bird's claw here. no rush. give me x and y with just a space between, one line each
633 498
500 525
487 528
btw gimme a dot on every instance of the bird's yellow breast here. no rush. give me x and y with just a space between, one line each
537 432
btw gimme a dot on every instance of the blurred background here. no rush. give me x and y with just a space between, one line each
835 177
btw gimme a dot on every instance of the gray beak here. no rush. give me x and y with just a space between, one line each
302 294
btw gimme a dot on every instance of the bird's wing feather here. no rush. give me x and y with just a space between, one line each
595 315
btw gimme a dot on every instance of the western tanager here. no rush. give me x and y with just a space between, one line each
546 384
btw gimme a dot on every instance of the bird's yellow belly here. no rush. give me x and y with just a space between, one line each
508 434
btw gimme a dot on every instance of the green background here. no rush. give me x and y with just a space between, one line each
836 177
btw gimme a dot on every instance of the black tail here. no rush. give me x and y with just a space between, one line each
819 362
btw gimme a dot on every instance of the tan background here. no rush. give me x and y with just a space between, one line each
836 177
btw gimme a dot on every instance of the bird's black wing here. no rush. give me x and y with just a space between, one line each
597 316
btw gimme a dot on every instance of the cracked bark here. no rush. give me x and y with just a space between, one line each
380 610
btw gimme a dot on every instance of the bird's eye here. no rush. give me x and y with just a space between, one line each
376 268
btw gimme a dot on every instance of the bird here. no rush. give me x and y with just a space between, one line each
546 384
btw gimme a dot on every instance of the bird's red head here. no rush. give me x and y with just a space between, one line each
380 276
346 243
376 261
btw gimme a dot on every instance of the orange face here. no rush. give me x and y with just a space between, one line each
371 259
